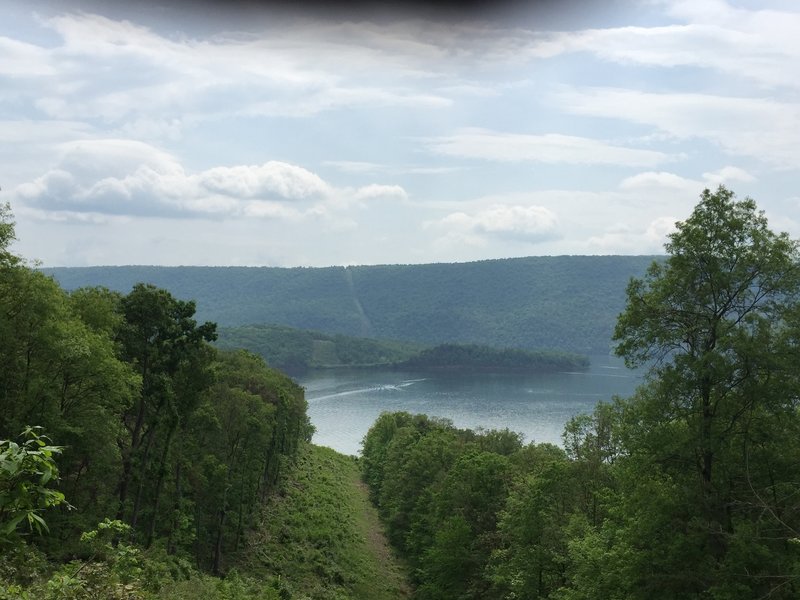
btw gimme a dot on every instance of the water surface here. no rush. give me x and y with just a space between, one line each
343 404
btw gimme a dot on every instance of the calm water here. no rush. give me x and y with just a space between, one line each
343 404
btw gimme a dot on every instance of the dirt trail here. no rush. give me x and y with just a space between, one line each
391 568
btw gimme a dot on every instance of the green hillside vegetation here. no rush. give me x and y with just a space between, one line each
296 350
472 356
135 458
318 534
568 302
687 489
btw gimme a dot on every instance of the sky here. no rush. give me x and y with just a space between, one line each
202 133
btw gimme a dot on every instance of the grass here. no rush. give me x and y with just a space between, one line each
322 536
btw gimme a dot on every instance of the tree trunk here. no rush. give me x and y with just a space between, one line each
137 502
171 547
127 455
216 563
162 470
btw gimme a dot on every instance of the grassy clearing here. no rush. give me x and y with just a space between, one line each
322 536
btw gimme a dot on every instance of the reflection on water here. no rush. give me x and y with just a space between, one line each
343 404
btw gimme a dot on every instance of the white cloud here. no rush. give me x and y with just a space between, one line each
531 224
302 67
123 177
625 239
270 180
666 181
659 179
114 157
375 191
757 127
758 45
726 174
548 148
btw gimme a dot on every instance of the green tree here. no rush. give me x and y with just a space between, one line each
231 451
530 558
473 493
168 350
706 312
715 323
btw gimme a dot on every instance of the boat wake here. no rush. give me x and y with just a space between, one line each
386 387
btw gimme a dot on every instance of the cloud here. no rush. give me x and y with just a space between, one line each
123 177
114 157
303 67
666 181
761 128
272 180
375 191
530 224
624 239
549 148
759 45
660 179
726 174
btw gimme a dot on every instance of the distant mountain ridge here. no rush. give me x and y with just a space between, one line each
562 302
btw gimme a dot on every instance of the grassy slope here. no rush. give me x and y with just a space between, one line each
322 535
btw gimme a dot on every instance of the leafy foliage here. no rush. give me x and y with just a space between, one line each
718 317
688 489
26 470
166 442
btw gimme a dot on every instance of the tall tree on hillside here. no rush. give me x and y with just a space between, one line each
168 350
715 323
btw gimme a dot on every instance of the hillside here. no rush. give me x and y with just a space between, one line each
321 536
295 350
566 302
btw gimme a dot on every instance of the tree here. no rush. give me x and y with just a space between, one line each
714 322
168 350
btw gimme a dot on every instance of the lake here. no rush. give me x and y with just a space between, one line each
343 403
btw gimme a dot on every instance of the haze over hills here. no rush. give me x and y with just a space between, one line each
565 302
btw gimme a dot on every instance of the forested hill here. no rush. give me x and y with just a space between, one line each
566 302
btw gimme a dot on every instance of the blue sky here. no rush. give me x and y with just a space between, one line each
195 136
